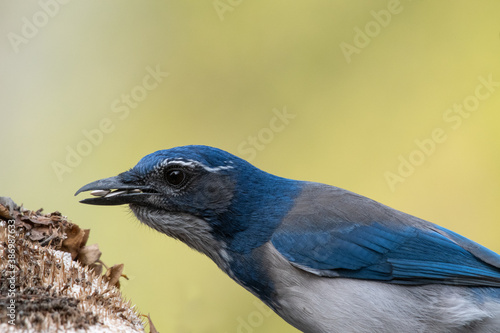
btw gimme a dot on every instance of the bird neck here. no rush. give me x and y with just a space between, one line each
250 221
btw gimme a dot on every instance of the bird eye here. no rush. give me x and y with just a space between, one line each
175 177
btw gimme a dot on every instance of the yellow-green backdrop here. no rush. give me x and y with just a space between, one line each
396 100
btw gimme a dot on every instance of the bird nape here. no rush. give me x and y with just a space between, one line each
323 258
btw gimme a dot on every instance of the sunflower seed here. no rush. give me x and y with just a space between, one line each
100 193
112 194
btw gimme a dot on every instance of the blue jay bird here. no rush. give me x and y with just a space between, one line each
323 258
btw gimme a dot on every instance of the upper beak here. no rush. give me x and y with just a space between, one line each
113 191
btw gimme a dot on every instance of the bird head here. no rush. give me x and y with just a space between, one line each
211 200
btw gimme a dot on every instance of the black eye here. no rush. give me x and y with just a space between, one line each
175 177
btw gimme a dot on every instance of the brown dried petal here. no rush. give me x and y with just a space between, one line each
85 236
97 268
4 212
89 254
21 223
55 218
73 243
41 220
39 233
113 274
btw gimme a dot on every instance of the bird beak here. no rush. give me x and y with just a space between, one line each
114 191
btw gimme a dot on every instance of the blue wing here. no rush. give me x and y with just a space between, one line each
366 240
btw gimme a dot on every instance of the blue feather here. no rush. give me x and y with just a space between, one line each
399 254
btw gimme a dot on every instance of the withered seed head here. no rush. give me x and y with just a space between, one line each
51 291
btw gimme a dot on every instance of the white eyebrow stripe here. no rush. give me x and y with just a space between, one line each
181 162
222 167
193 163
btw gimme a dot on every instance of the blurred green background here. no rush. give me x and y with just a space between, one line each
364 86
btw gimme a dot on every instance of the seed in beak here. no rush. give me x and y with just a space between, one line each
112 194
100 193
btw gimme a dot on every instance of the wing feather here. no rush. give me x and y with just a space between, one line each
385 245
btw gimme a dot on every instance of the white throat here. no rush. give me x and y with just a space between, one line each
189 229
